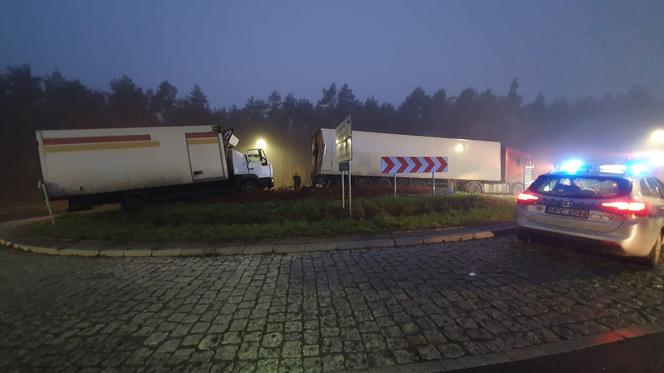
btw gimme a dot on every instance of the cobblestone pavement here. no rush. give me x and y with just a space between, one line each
315 312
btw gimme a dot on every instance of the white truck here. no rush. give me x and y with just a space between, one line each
474 166
137 165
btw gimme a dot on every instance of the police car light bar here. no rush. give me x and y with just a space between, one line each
613 168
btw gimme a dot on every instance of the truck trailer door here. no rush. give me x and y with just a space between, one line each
205 156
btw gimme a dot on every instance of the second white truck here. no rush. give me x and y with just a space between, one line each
472 165
136 165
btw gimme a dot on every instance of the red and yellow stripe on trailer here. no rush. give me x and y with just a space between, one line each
89 143
197 138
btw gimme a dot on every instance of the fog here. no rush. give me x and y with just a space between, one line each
610 128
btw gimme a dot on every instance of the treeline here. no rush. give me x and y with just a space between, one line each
29 102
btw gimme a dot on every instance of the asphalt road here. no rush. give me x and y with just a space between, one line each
322 311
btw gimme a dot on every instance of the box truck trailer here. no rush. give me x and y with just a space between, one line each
137 165
472 165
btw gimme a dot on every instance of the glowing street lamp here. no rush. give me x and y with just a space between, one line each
657 137
261 144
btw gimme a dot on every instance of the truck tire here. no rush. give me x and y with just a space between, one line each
517 188
248 186
474 187
364 181
384 182
403 181
132 203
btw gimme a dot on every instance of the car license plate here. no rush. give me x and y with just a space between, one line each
577 213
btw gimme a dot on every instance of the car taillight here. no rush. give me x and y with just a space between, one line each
526 199
627 207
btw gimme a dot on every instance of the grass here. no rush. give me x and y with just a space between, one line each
228 221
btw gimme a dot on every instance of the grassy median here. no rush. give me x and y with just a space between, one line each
223 221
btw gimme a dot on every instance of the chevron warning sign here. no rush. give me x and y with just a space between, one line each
412 165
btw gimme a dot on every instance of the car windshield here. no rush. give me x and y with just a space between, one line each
581 186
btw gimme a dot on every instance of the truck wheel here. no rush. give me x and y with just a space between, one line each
656 253
384 182
517 188
364 181
248 186
132 203
474 187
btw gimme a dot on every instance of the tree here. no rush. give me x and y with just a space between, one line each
4 88
513 96
274 103
346 102
415 110
538 105
197 98
164 101
22 93
289 106
256 109
329 100
127 102
194 109
437 122
371 105
70 104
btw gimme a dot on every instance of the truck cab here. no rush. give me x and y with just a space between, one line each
252 170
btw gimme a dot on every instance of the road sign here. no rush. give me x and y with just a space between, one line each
412 165
343 136
343 166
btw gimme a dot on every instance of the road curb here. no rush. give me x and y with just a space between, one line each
520 354
105 249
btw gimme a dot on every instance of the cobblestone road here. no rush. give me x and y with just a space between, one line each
316 312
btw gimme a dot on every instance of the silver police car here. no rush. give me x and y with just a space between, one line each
608 205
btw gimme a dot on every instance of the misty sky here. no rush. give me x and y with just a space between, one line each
238 49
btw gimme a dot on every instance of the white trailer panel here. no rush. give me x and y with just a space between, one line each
467 159
81 162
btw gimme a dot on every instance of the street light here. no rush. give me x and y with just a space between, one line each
261 144
657 137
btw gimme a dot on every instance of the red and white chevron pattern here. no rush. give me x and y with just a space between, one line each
412 165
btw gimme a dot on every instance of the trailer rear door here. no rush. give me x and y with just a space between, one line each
205 156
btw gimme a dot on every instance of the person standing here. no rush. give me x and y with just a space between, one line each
297 181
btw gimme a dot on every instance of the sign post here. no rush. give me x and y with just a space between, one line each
343 194
350 189
433 183
42 186
413 165
343 136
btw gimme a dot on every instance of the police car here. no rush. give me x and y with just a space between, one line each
619 206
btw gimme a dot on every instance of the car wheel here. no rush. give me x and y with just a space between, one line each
656 252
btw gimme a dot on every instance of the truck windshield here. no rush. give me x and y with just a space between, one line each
253 155
581 186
